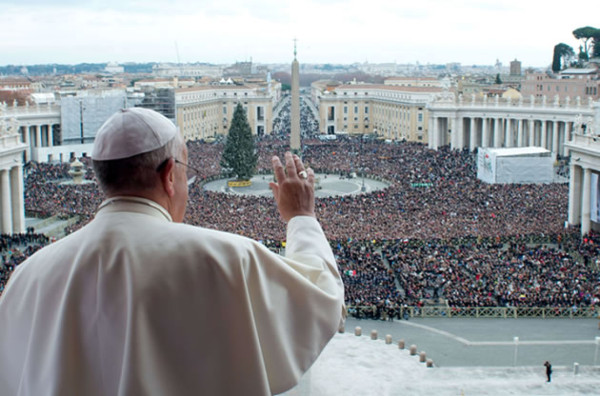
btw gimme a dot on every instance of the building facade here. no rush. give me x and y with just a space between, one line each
390 111
584 185
584 83
206 111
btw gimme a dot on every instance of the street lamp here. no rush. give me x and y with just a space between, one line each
81 119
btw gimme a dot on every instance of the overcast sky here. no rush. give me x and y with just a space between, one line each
328 31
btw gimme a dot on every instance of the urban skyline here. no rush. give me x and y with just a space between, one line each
328 31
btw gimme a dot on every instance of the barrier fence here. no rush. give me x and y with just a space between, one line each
471 312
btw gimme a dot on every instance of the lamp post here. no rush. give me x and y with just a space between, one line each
81 119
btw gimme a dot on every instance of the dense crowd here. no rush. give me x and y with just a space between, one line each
309 126
15 249
435 232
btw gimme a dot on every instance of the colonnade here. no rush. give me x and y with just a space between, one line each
496 131
12 212
503 122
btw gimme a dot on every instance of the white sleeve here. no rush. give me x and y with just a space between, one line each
300 303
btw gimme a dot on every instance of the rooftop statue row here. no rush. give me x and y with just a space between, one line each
447 97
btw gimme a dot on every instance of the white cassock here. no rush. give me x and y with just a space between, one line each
134 304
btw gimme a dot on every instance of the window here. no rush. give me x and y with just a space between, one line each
224 109
366 109
355 109
420 117
345 109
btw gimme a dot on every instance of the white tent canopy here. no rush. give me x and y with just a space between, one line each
523 165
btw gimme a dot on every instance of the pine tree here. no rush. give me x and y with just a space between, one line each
239 155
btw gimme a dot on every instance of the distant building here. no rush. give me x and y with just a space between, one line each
413 81
392 112
15 84
113 68
572 83
206 111
515 68
83 115
187 70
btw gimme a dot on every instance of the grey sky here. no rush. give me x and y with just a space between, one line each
328 31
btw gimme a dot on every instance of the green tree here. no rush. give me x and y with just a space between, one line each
596 45
239 155
582 56
585 34
498 79
562 54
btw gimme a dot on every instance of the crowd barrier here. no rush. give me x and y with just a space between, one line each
369 312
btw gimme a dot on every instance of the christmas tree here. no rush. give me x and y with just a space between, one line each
239 156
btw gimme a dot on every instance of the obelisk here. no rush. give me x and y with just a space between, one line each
295 110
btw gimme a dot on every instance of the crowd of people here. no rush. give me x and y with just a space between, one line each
309 125
435 232
15 248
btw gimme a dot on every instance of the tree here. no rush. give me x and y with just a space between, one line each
498 79
596 44
585 34
239 155
582 56
562 54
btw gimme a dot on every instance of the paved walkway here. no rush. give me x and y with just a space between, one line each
465 342
327 185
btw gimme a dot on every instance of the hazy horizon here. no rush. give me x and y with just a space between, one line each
328 31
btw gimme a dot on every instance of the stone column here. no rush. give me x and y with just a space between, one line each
436 127
6 204
458 132
51 135
485 138
431 130
575 195
543 134
498 132
18 206
473 134
38 136
568 131
554 139
520 137
509 133
586 222
531 132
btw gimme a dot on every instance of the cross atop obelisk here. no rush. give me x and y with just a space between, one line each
295 110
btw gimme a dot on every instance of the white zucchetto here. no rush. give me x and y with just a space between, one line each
130 132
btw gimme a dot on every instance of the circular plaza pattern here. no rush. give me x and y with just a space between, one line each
326 185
